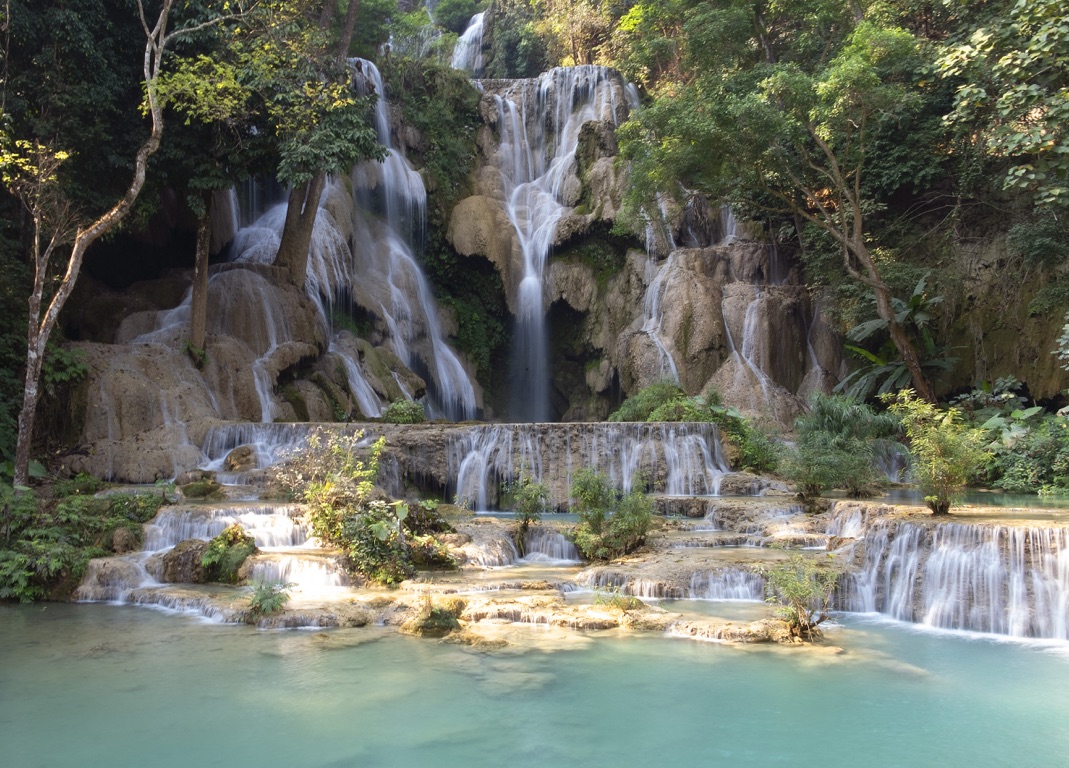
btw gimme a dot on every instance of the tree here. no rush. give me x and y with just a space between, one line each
803 591
946 450
322 129
1011 67
30 172
781 119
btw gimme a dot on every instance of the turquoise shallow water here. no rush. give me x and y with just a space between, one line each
99 685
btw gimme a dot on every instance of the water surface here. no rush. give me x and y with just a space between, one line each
103 685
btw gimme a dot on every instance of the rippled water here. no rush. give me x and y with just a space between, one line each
100 685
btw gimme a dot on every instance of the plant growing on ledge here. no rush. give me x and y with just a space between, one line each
611 524
267 597
226 552
530 500
404 412
802 590
947 452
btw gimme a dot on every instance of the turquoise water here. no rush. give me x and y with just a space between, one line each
99 685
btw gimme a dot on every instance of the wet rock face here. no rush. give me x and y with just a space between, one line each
182 564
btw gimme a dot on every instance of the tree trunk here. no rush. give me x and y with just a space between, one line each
347 27
40 328
198 320
885 310
297 231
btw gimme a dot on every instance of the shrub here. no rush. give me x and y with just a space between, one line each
802 589
226 553
530 500
45 546
836 447
642 405
333 474
404 412
611 524
946 451
755 450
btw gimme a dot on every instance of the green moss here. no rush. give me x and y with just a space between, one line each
202 489
293 396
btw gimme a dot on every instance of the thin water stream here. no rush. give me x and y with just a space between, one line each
97 685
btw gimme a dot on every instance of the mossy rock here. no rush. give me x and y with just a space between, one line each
436 619
202 489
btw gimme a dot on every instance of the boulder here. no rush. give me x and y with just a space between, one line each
182 565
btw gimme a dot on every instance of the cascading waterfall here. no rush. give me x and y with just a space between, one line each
538 124
1003 579
468 53
385 273
658 236
679 459
727 584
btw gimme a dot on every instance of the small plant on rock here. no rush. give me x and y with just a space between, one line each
802 589
947 452
226 553
268 597
404 412
530 500
611 524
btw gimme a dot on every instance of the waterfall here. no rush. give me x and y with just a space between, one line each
679 459
270 525
547 546
727 584
538 124
1002 579
468 53
385 273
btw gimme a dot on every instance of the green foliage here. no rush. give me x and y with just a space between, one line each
45 545
1011 69
802 589
1062 352
947 452
611 524
836 447
516 47
268 598
884 370
404 412
424 518
1042 240
226 553
1029 448
454 15
375 545
529 499
443 105
754 449
334 475
641 405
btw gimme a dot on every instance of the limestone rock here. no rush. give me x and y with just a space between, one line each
182 565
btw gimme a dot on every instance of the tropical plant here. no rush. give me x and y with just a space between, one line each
45 545
268 597
836 446
1009 68
802 589
947 452
884 370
